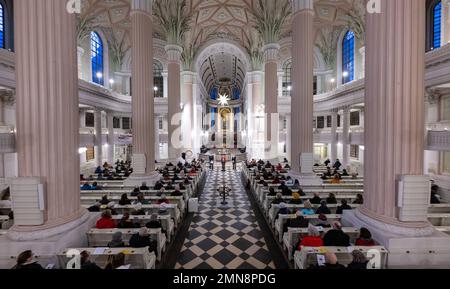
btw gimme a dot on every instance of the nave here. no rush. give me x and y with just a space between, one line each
225 236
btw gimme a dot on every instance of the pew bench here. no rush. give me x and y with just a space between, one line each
291 237
102 237
166 222
138 258
308 255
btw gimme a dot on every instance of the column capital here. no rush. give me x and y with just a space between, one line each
142 6
334 111
303 6
255 77
271 52
173 53
346 109
188 77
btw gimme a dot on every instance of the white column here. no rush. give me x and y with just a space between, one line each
165 75
346 137
157 132
111 137
280 83
334 138
80 54
362 51
288 136
98 138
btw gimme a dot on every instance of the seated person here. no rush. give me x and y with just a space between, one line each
435 198
5 200
116 241
170 186
282 186
316 200
126 222
359 200
272 192
177 193
106 221
344 206
141 200
135 192
144 187
163 200
336 180
141 239
95 187
85 262
345 173
276 181
285 160
283 210
359 261
308 209
262 182
322 222
86 187
312 240
336 237
323 209
25 260
365 238
95 207
337 165
296 200
286 192
298 222
154 223
159 185
287 166
100 177
124 201
181 187
289 181
327 162
98 170
8 224
104 201
115 262
331 262
278 199
296 185
279 167
331 199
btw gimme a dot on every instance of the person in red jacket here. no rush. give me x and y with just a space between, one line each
106 222
365 238
312 240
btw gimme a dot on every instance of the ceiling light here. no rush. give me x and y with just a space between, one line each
99 75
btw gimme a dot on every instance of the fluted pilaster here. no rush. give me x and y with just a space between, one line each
110 139
346 136
334 139
142 73
394 142
302 81
47 106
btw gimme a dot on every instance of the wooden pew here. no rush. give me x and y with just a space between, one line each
102 237
166 222
291 237
269 199
138 258
274 209
179 201
439 219
279 223
308 255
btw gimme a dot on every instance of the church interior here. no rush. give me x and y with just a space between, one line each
224 134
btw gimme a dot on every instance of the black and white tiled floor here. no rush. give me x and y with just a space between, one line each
225 238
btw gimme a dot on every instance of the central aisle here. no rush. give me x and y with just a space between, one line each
225 238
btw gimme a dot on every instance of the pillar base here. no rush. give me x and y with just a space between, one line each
137 179
411 246
46 244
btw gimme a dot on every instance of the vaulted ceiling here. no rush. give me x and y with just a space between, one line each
211 19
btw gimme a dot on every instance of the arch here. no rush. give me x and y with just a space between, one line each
97 59
348 57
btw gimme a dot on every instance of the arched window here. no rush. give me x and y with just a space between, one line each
214 93
287 78
158 79
97 58
236 93
436 24
348 57
2 26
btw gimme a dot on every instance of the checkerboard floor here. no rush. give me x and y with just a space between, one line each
225 237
